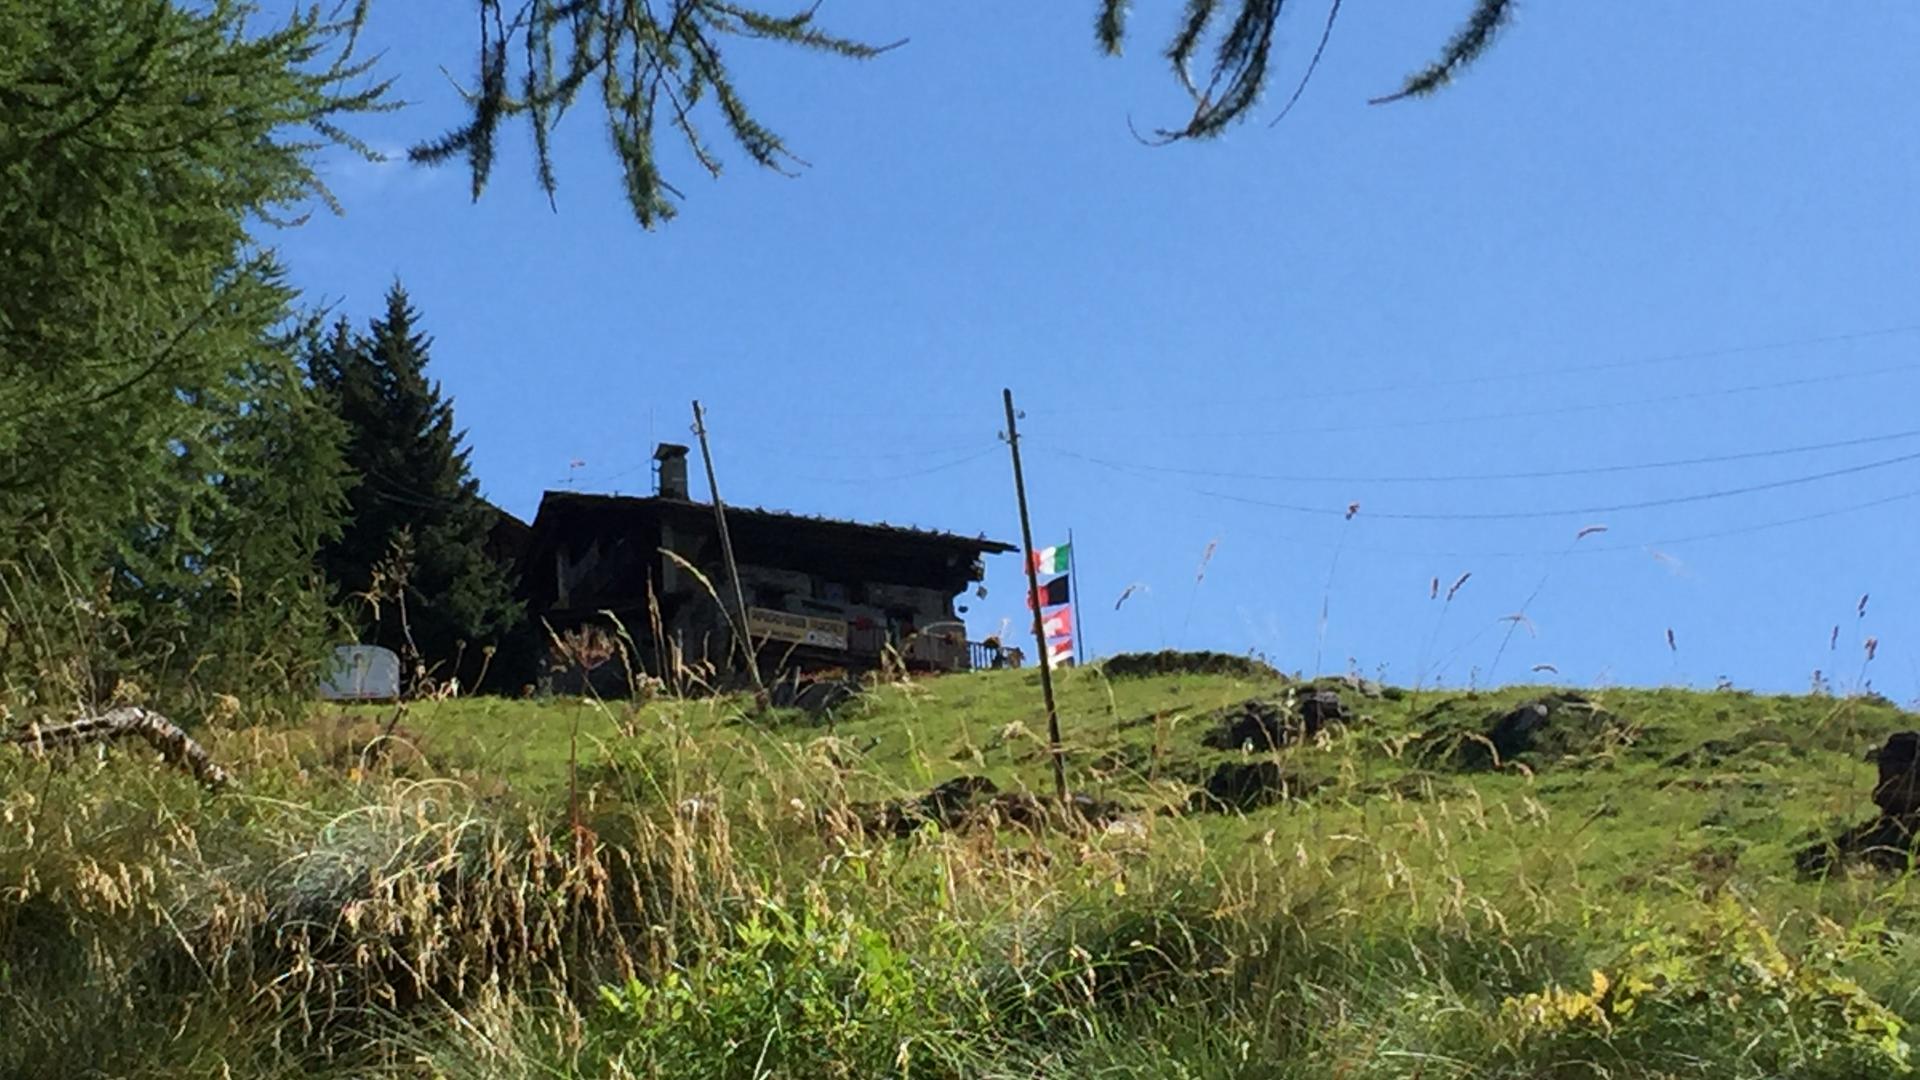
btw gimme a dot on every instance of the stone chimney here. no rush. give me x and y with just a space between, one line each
671 470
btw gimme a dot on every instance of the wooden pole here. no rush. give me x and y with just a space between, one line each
1033 601
726 550
1079 607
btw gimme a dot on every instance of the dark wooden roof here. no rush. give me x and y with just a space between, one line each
562 504
507 536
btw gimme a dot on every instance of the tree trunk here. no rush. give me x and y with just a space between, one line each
162 734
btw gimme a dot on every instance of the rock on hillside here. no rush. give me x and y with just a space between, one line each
1541 731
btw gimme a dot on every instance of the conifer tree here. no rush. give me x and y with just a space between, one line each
250 577
412 558
163 480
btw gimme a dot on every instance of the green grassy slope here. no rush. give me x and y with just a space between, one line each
1681 769
678 889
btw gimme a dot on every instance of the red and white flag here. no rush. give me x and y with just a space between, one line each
1060 653
1058 623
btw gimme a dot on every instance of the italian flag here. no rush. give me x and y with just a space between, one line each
1059 623
1052 560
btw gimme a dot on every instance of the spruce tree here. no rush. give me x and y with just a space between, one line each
412 560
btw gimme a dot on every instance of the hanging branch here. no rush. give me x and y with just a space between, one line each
175 745
1242 59
1240 62
1110 26
1472 40
659 61
644 60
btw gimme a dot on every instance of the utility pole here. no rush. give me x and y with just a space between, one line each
1033 602
744 638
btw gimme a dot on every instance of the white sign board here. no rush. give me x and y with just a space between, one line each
766 625
362 673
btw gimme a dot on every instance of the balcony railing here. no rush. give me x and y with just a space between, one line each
932 651
937 651
984 656
866 640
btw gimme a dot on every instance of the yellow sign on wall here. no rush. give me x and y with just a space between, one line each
766 625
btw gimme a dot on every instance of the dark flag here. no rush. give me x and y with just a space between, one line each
1052 594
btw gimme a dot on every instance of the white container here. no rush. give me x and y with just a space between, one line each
362 673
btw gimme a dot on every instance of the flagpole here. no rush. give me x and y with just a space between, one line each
1079 602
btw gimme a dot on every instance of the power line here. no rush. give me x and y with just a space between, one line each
1579 369
403 494
1408 386
788 448
1721 352
955 463
1572 511
1762 526
1595 549
795 447
909 475
1537 474
1448 419
1643 504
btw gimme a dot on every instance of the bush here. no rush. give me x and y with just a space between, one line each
818 993
1721 986
1174 662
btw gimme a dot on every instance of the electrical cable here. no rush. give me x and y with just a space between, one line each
1511 376
1449 419
1537 474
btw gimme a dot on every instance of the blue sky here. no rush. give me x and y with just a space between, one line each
1632 235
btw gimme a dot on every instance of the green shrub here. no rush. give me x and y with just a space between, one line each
1722 986
809 993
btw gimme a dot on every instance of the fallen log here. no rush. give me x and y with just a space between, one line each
175 745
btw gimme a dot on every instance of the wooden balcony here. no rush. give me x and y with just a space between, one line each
987 657
934 651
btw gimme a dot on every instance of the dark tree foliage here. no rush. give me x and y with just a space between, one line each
412 559
661 63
